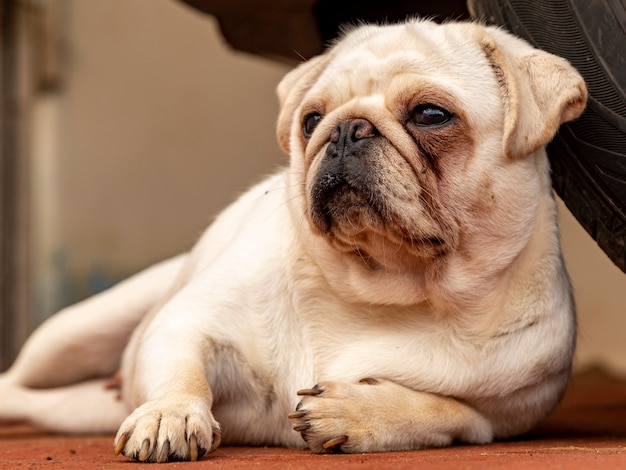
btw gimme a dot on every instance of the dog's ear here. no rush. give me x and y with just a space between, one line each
540 91
292 89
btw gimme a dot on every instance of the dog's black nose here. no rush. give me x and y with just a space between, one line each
351 139
347 132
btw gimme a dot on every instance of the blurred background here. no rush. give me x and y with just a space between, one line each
127 126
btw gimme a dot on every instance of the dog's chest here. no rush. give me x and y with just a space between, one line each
348 344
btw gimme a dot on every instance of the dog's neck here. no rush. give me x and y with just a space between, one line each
451 286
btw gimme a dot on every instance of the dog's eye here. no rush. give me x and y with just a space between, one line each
430 115
310 123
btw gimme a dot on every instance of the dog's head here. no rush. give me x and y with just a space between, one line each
417 149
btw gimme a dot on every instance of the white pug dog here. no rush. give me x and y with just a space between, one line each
405 268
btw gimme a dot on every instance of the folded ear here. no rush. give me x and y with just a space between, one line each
540 91
292 89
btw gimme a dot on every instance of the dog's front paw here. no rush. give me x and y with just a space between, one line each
169 428
333 417
376 415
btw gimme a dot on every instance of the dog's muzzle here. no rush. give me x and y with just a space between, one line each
345 181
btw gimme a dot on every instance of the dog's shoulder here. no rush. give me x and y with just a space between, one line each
250 224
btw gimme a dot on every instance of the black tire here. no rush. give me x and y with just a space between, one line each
588 156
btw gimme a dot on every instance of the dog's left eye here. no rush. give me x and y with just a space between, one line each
310 123
430 115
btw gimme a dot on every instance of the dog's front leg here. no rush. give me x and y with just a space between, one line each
379 415
168 381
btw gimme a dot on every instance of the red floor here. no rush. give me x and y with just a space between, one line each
587 431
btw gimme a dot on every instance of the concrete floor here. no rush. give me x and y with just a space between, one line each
587 431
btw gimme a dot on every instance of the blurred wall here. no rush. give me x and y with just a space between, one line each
600 292
156 126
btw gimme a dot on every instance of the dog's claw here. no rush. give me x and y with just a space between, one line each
335 442
196 451
118 448
312 392
296 414
193 448
369 381
144 453
217 440
302 427
164 452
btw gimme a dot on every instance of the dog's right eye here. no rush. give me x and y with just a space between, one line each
310 123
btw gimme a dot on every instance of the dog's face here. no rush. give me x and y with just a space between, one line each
417 148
